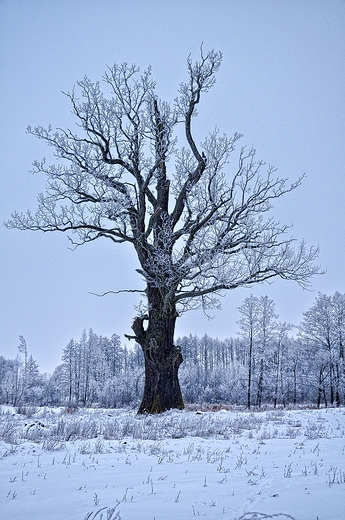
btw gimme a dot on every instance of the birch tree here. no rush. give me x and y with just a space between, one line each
197 226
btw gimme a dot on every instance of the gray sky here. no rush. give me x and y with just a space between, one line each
281 84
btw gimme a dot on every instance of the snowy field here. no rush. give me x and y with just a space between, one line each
101 464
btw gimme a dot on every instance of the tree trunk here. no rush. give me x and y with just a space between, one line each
249 373
337 386
162 388
162 360
294 384
331 381
260 384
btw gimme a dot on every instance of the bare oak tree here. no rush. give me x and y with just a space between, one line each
197 228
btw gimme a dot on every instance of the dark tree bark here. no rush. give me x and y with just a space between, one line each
260 384
162 360
162 388
250 362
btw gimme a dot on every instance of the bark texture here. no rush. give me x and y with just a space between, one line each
162 360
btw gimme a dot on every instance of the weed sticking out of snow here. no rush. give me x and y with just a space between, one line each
115 465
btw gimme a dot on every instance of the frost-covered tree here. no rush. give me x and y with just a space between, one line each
24 350
12 382
198 226
317 330
338 302
34 381
279 363
322 329
265 356
113 354
84 368
249 330
267 334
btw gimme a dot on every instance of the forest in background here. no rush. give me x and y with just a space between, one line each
269 363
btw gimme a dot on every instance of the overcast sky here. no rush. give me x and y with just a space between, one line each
281 84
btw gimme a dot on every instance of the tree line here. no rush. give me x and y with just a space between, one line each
264 364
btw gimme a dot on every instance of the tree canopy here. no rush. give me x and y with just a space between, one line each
197 227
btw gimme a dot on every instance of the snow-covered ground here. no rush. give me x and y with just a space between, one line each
217 465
